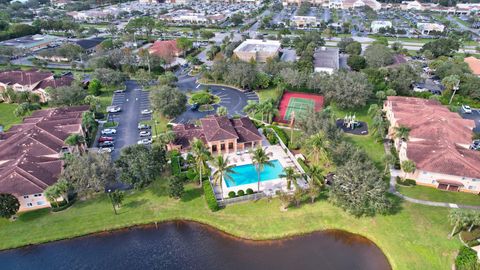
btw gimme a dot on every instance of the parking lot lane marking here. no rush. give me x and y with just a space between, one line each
197 86
452 205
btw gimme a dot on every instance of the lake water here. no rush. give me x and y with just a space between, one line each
185 245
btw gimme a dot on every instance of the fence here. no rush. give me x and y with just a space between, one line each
251 197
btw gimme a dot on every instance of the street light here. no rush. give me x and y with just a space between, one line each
111 200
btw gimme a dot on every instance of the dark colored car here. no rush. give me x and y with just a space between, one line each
194 107
105 144
105 139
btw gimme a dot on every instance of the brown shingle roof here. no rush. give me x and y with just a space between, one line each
29 77
29 160
438 137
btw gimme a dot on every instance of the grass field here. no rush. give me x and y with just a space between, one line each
7 118
269 93
436 195
414 238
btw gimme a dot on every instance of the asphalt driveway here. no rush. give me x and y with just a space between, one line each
475 116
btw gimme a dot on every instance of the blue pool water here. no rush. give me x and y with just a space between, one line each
246 174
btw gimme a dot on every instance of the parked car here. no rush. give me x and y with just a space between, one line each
119 91
114 109
146 111
195 107
105 139
145 133
105 144
109 131
145 141
466 109
143 126
106 150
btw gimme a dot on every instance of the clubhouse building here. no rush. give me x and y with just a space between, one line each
219 133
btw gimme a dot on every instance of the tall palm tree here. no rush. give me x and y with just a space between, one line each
316 175
291 175
402 132
201 157
77 141
269 109
223 171
252 108
88 121
260 159
168 137
317 147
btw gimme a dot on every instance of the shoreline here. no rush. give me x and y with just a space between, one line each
210 227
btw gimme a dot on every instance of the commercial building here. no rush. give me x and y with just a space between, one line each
258 50
33 81
32 43
438 143
219 133
426 28
375 26
31 152
326 60
305 21
337 4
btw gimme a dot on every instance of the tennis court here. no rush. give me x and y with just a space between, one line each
299 103
299 106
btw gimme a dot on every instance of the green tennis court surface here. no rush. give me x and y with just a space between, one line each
299 106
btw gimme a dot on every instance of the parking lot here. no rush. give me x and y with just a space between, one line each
132 102
475 116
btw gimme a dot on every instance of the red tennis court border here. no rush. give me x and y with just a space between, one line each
282 107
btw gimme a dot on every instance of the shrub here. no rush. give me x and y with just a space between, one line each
281 134
303 165
231 194
202 98
63 205
176 170
272 139
249 191
406 182
240 192
210 197
466 259
191 174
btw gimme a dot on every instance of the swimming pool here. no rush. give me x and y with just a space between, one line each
246 174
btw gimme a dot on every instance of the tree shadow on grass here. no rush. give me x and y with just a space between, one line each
32 215
135 204
396 204
191 194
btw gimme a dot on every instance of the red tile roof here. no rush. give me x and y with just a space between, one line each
29 152
165 48
217 128
439 139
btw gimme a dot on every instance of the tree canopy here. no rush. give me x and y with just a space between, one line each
168 100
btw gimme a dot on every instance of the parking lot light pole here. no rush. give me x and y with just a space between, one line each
111 200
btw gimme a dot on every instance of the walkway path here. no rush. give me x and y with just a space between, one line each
393 182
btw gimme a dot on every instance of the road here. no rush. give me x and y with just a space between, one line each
132 102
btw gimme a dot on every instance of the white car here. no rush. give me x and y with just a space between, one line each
145 141
105 150
119 91
146 111
113 109
466 109
109 131
145 133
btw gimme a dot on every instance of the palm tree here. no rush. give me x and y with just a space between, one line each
252 108
389 159
402 132
260 158
408 166
223 170
457 218
77 141
269 109
88 121
201 156
291 175
168 137
317 147
316 175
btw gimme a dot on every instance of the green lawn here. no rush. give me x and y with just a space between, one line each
436 195
269 93
7 118
415 238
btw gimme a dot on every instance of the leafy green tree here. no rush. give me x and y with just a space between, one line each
442 46
408 166
117 198
88 173
175 187
66 95
138 166
168 78
52 194
168 101
95 87
401 78
184 44
76 140
222 111
467 259
260 159
343 43
378 55
223 170
402 132
9 205
109 77
359 189
356 62
354 48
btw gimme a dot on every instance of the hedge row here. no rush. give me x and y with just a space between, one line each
304 166
281 134
210 197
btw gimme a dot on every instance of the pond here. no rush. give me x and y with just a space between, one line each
187 245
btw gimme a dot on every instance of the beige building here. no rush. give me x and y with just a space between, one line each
257 49
438 144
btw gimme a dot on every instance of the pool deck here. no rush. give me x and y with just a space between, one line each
269 187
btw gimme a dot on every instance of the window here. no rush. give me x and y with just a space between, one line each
471 187
25 196
29 204
40 203
37 195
